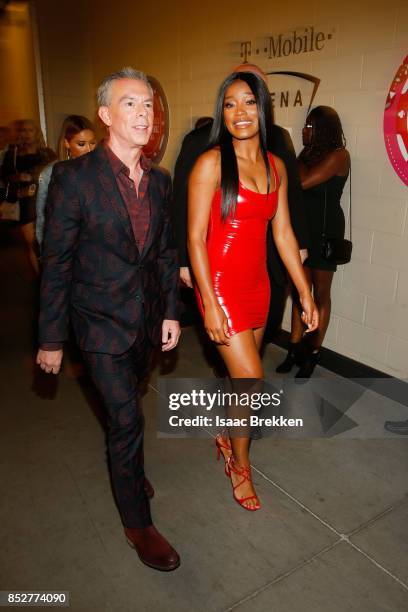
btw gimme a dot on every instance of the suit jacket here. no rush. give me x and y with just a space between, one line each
92 269
194 144
280 144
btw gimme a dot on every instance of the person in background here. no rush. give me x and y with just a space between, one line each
77 137
5 138
324 166
194 143
235 189
21 168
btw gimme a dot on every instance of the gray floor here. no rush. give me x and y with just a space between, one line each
332 534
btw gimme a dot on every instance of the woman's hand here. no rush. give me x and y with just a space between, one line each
216 324
310 314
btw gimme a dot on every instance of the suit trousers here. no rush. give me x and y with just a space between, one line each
118 380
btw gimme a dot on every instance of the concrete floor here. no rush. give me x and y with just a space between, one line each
332 535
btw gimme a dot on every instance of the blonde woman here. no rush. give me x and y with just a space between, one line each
77 137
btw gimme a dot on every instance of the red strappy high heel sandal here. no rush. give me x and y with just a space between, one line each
245 472
220 443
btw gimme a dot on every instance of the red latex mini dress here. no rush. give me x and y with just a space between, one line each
237 256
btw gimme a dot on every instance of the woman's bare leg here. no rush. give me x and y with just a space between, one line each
242 360
297 325
297 329
28 233
258 335
322 282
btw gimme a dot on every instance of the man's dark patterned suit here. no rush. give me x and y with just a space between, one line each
115 297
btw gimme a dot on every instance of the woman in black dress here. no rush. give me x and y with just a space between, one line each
324 165
21 168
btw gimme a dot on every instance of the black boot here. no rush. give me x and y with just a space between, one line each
397 427
294 357
308 365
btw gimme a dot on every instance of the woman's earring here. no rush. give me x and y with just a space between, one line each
68 153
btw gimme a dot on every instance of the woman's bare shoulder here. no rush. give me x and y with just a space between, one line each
211 157
208 164
339 153
339 160
279 163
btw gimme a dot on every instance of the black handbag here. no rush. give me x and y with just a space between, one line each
336 250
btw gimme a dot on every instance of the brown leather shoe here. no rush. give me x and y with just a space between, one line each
152 548
148 488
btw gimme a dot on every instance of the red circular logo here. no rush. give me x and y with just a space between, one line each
157 144
396 122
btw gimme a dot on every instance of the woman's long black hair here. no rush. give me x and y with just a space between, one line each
327 135
222 138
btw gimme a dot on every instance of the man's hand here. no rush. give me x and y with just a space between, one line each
170 334
50 361
185 277
303 255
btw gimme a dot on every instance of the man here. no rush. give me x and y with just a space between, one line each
279 143
109 264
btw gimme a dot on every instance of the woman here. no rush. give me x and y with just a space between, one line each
235 189
21 168
324 166
77 137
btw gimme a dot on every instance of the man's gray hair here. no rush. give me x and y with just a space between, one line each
104 90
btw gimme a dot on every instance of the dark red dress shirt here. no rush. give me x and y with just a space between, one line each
137 202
